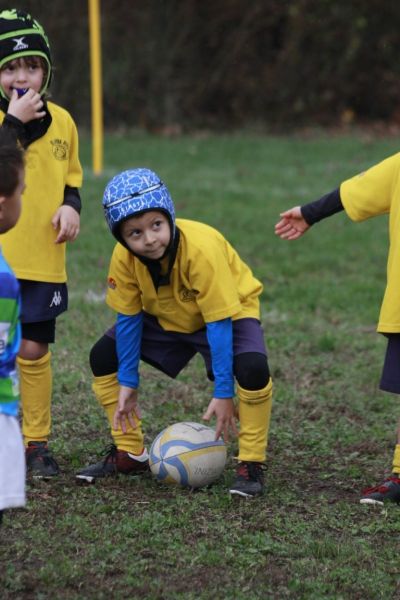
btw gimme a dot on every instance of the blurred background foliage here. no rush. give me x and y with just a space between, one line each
180 65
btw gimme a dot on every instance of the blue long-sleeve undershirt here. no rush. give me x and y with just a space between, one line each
219 336
129 340
220 339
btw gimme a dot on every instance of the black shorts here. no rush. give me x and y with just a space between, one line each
170 351
390 380
43 332
42 301
41 304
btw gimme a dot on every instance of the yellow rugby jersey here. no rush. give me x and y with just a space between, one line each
208 282
52 162
377 192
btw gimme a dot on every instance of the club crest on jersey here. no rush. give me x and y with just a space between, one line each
112 284
187 295
60 149
19 44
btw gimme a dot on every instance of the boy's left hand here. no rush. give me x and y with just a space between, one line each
67 220
225 413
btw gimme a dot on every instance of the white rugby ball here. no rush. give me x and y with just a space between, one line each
187 454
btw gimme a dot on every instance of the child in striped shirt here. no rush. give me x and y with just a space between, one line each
12 455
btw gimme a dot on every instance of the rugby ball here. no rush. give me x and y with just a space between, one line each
187 454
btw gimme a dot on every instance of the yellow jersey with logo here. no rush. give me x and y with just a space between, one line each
51 163
208 282
377 192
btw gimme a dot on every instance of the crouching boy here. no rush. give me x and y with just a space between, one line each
178 288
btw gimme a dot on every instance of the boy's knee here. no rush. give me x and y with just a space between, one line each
103 357
31 350
251 370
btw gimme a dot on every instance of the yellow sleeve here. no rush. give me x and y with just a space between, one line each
123 293
370 193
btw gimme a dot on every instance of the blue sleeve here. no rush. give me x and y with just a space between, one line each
220 338
129 340
10 338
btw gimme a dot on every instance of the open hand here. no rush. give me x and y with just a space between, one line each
292 224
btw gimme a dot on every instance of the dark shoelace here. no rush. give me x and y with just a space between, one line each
110 454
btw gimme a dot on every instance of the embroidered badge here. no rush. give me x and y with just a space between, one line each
112 284
187 295
60 149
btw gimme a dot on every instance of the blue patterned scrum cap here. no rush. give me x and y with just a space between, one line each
21 35
132 192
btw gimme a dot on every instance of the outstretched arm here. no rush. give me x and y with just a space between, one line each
295 221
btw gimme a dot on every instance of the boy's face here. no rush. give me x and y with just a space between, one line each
10 206
148 234
22 74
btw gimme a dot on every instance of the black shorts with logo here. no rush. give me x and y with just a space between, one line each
41 304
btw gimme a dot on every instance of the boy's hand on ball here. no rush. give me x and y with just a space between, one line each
292 225
127 409
27 107
224 411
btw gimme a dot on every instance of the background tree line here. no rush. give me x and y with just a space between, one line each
189 64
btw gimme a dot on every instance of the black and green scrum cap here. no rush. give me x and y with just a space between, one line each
21 35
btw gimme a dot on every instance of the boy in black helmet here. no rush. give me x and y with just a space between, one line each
36 248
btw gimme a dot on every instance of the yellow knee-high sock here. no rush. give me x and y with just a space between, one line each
396 460
254 416
106 389
35 378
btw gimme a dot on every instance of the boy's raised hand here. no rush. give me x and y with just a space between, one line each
292 224
127 409
67 220
225 413
27 107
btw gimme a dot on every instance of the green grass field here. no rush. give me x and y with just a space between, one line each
332 430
